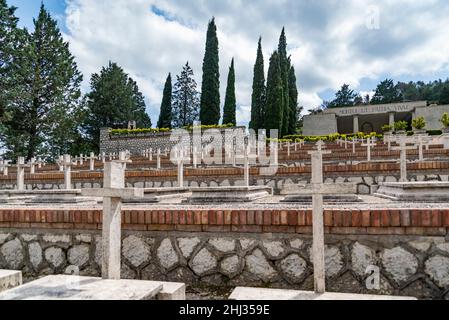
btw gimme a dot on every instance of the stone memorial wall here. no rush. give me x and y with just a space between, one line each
136 143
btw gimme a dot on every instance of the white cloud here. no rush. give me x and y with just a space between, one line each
329 42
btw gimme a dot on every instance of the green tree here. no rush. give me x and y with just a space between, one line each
8 51
166 111
258 95
444 95
285 66
387 92
114 100
295 111
275 95
47 92
230 104
344 97
210 88
185 105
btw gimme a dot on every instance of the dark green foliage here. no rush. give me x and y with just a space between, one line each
295 111
43 110
185 103
258 95
8 51
230 104
387 92
114 100
275 95
444 95
285 66
210 88
166 111
344 97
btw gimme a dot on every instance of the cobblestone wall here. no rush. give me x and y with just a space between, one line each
409 265
138 142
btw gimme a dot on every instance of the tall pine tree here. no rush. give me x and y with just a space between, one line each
42 116
166 111
210 88
258 95
387 92
114 100
293 101
230 104
8 51
275 95
285 66
185 105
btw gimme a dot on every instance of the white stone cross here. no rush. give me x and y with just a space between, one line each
81 159
288 149
158 159
40 163
4 164
112 192
421 141
67 165
124 158
91 159
21 173
403 159
103 157
194 157
32 165
274 152
179 154
59 162
369 143
318 190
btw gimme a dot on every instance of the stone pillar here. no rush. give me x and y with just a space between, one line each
318 226
67 172
92 162
21 173
391 119
113 178
246 167
355 123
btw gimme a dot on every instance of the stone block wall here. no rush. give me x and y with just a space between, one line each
136 143
240 248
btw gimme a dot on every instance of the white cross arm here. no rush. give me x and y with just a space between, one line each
113 192
319 152
322 188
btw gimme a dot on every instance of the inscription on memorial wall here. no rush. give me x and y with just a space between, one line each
381 108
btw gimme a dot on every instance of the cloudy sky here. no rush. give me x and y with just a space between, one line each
331 42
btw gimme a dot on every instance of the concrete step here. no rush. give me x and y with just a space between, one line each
10 279
246 293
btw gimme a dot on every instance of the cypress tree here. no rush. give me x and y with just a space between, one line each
284 65
210 88
166 110
259 90
293 101
230 104
42 118
275 95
